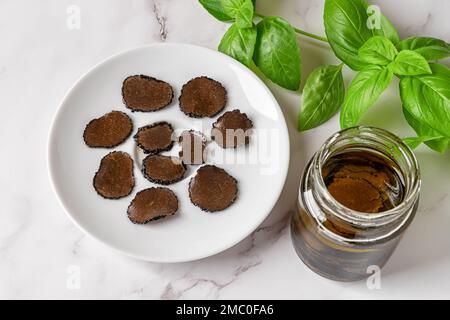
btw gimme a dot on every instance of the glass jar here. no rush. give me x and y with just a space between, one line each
339 243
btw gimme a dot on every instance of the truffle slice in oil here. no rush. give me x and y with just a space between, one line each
163 169
108 131
155 138
193 145
144 93
152 204
202 97
212 189
232 129
114 178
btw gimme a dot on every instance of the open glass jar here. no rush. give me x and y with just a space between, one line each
341 243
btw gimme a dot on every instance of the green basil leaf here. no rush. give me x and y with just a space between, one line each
427 98
414 142
363 92
241 10
277 53
323 95
378 50
410 63
346 27
439 144
429 48
214 7
244 17
239 43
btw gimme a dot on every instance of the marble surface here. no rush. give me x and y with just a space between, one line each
41 251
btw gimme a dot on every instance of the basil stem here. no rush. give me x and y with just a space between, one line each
299 31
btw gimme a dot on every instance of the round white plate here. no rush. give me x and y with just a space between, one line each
260 168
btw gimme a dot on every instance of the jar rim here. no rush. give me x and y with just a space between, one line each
354 216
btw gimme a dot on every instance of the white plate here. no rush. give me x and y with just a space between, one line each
191 234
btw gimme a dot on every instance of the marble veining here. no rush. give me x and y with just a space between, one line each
161 19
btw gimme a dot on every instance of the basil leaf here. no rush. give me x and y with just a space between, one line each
244 17
427 98
214 7
346 27
323 95
414 142
363 92
241 10
439 144
410 63
429 48
277 53
378 50
239 43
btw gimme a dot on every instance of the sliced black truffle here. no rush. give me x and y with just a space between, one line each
144 93
212 189
152 204
114 178
108 131
193 145
202 97
163 169
232 129
155 138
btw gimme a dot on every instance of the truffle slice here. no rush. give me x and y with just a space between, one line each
108 131
212 189
163 169
359 187
193 145
356 194
202 97
232 129
144 93
114 178
155 138
152 204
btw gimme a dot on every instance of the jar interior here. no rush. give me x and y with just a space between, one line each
364 180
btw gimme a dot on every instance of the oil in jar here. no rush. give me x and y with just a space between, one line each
363 181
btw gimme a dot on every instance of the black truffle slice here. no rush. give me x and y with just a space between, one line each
114 178
193 145
144 93
202 97
232 129
152 204
212 189
155 138
163 169
108 131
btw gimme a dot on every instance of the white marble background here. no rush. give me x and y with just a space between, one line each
40 58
